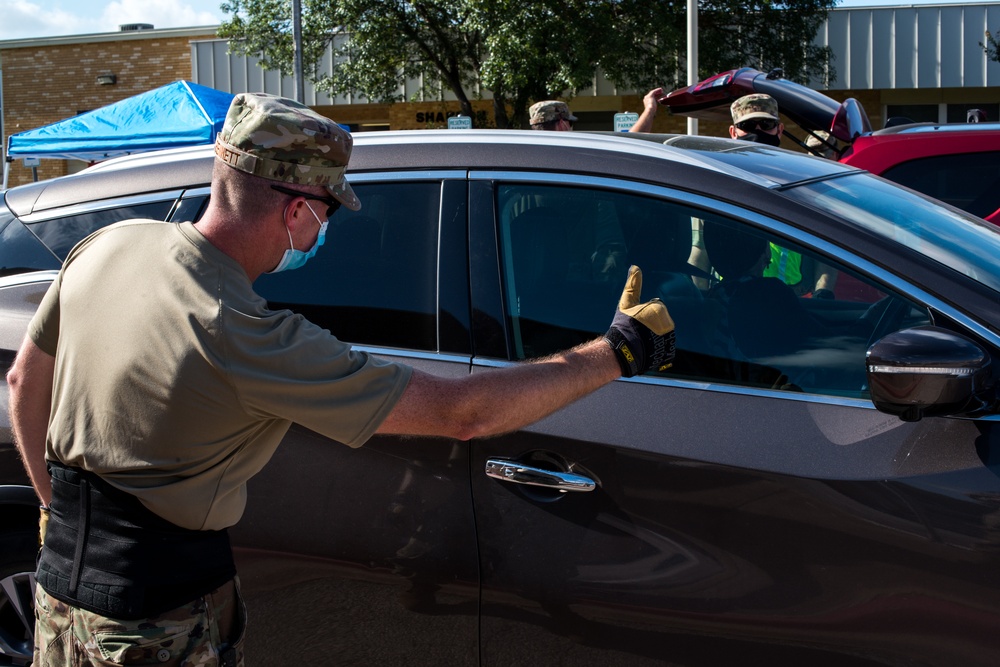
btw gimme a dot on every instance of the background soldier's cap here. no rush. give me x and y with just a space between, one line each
549 110
754 106
281 140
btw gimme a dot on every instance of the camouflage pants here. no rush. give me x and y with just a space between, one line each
189 636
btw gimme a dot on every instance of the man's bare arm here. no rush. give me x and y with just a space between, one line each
641 337
30 383
502 400
650 105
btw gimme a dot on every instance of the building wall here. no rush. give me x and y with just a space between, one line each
47 81
911 47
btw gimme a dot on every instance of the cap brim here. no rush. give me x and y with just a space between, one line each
344 193
573 118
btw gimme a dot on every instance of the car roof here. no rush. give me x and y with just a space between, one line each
679 160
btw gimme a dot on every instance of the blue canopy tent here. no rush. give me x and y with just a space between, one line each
178 114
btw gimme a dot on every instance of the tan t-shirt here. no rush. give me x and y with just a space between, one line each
175 382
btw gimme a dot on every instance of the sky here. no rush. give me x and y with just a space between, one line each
24 19
21 19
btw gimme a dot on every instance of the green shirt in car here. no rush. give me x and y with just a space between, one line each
174 381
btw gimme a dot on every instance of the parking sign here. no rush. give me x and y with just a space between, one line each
624 121
459 123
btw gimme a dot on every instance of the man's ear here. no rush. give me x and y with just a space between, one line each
732 132
295 213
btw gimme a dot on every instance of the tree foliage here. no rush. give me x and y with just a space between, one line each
523 51
991 46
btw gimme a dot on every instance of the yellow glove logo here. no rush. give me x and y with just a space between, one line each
627 353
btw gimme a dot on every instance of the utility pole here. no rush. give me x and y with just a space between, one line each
300 91
692 55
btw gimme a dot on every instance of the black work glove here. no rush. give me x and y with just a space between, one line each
642 334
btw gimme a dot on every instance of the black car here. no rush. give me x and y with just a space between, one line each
815 481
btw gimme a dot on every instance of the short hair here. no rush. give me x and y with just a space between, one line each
243 193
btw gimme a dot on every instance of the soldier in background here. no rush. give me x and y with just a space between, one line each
551 115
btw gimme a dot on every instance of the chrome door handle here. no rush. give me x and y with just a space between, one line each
512 471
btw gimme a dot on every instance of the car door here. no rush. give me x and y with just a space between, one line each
368 556
749 505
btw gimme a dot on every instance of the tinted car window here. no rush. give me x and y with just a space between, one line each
20 250
750 308
61 234
374 280
189 210
956 239
970 181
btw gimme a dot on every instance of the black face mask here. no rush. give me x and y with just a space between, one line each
762 138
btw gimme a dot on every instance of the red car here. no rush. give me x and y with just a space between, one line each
958 163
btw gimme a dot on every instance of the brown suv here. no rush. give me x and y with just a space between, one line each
750 505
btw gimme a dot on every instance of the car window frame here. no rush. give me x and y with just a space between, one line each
764 223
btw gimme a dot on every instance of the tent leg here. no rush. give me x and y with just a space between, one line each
6 172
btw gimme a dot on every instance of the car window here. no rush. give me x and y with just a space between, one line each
750 308
20 250
970 181
374 280
955 239
190 209
61 234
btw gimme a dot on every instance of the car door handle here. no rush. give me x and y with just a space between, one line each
512 471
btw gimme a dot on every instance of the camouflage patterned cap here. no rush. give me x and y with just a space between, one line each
754 106
549 110
281 140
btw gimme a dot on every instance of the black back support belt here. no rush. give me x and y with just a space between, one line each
107 553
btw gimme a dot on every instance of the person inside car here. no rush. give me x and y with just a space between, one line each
756 118
154 382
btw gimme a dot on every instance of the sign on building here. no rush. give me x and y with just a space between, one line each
460 123
624 121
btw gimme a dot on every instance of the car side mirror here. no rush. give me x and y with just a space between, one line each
929 372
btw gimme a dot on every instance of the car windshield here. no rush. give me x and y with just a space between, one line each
956 239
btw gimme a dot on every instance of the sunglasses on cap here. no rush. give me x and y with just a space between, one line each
332 204
765 124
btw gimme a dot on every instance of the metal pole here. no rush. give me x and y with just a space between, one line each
692 54
300 91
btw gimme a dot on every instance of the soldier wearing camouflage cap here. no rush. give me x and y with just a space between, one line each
175 383
551 115
205 382
282 140
756 118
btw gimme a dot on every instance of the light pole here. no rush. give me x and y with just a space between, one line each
300 94
692 54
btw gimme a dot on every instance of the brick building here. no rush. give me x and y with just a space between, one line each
48 80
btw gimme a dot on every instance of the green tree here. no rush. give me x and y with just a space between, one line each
522 51
991 47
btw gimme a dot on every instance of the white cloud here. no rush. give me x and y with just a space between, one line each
47 18
23 18
161 13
